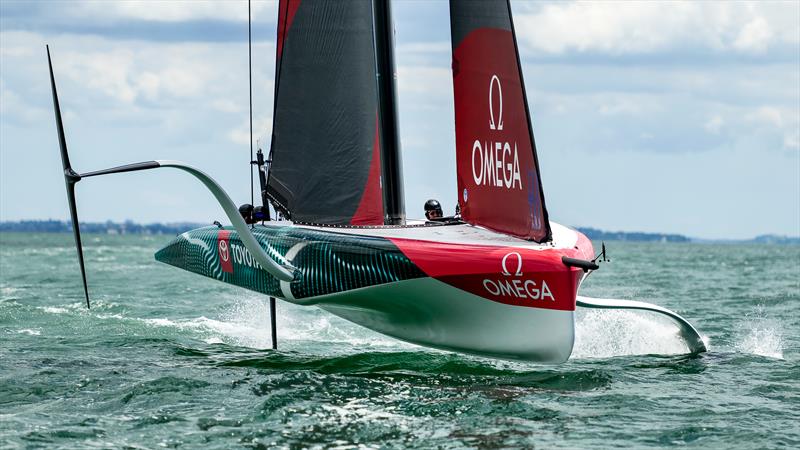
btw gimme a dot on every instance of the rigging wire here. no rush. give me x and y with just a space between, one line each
250 89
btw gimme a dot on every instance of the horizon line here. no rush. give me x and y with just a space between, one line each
601 230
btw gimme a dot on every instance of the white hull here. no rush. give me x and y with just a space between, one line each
432 313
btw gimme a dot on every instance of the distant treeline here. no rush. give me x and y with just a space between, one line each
127 227
600 235
775 239
130 227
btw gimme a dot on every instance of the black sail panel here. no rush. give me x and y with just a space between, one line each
499 186
326 143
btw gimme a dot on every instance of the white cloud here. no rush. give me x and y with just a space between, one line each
132 72
767 115
424 48
14 107
170 10
106 72
226 105
792 141
755 36
262 125
425 80
607 27
642 27
7 51
714 125
621 105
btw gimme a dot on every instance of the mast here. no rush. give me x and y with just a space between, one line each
391 161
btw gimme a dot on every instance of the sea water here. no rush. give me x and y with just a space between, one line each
166 358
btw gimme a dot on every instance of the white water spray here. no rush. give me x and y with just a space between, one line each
608 333
246 323
759 334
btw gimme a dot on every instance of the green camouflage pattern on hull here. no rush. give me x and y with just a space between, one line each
327 262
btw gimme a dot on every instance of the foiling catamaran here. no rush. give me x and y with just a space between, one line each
499 280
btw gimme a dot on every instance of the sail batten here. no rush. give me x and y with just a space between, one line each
499 185
325 163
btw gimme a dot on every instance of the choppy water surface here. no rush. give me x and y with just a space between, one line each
170 359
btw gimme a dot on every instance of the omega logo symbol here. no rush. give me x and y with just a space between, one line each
495 160
492 82
505 265
223 251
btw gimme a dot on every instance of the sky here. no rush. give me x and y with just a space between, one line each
678 117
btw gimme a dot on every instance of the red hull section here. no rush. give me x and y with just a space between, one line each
535 278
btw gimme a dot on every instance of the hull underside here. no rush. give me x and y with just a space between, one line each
431 313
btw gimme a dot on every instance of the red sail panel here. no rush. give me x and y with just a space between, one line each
498 176
286 11
370 209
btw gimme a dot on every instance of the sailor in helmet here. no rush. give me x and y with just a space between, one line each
433 210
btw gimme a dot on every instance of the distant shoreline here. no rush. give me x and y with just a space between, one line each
109 227
130 227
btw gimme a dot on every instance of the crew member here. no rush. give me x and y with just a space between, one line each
246 211
433 210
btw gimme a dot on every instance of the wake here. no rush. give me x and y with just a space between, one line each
599 333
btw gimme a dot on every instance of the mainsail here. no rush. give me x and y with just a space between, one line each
326 142
498 173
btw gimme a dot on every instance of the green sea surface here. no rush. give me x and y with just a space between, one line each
166 358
